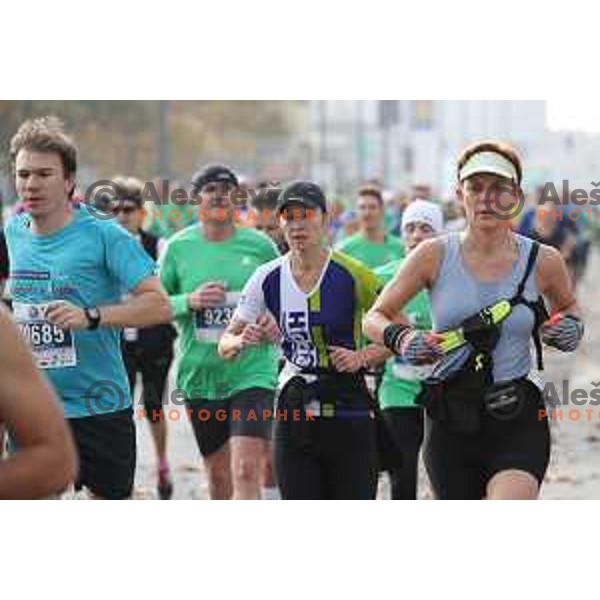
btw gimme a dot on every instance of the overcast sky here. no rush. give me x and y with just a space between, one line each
580 114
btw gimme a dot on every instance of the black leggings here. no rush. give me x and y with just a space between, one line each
331 457
335 461
405 425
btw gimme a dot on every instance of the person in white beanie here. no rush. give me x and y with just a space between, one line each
401 382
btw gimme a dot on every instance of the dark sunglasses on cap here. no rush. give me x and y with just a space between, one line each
223 188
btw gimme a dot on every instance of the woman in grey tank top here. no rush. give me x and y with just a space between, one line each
487 431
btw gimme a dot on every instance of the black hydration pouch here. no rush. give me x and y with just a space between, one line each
457 401
462 400
343 395
504 400
464 391
291 402
500 396
330 395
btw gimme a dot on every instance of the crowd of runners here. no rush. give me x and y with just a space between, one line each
316 347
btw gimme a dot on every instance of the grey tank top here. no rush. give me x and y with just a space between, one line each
457 294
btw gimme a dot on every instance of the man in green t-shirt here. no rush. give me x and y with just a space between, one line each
203 269
401 382
371 244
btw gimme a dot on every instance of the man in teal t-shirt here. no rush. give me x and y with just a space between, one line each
68 273
204 269
88 263
371 244
401 382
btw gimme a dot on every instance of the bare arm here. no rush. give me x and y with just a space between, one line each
350 361
149 305
568 246
230 344
240 334
417 272
251 324
554 281
374 355
45 462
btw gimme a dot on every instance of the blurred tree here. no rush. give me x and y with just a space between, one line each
122 136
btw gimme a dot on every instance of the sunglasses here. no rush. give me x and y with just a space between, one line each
126 210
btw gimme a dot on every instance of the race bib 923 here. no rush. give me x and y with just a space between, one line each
210 323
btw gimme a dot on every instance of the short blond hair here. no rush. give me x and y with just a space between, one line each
45 134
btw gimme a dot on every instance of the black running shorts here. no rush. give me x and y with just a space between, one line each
247 413
107 452
460 466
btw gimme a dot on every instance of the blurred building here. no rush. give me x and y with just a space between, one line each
407 142
570 155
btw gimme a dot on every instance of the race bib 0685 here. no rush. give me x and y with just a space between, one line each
52 346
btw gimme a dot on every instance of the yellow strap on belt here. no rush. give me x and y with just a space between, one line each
494 314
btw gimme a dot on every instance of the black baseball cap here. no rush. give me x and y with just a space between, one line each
214 174
303 192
